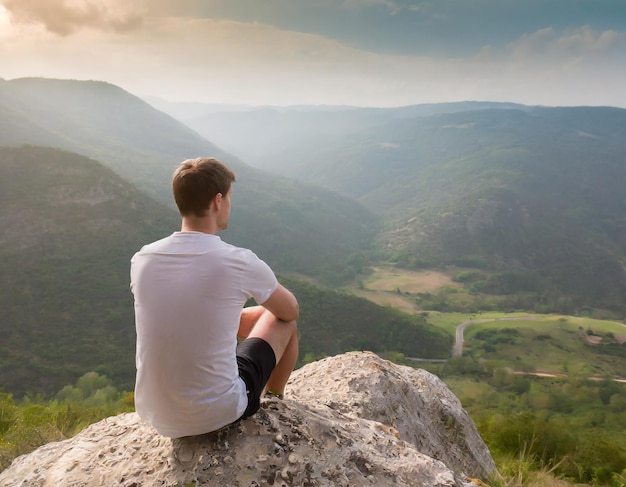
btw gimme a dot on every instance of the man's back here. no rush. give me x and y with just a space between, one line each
189 290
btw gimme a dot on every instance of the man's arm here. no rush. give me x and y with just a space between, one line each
283 304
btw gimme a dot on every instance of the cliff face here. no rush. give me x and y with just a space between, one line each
348 420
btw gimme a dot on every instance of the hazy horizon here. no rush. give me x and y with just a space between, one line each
320 52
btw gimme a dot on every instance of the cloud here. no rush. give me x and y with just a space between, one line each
226 61
394 6
64 17
391 4
587 41
578 66
549 50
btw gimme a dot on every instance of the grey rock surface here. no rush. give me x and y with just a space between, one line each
347 421
416 403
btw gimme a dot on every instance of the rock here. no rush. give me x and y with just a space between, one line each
417 404
349 420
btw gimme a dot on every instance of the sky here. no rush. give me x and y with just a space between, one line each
326 52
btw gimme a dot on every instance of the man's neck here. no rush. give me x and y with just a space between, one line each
199 224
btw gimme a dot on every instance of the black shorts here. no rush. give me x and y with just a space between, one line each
256 361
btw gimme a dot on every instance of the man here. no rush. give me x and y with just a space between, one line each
190 290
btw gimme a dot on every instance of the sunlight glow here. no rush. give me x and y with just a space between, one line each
4 17
5 24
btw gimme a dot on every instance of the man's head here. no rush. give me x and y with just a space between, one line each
196 183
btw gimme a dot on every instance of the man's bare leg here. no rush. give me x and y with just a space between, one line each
249 317
281 335
284 367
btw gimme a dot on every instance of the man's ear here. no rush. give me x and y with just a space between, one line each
217 201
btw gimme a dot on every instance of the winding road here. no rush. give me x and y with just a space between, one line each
457 350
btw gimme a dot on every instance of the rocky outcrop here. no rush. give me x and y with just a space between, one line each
349 420
414 402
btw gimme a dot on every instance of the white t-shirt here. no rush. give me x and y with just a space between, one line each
189 290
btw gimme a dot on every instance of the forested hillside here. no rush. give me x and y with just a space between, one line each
318 229
69 229
331 323
531 197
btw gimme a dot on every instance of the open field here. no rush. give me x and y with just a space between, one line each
390 286
385 298
405 281
590 326
549 344
449 321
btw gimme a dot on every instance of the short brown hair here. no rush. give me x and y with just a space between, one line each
197 181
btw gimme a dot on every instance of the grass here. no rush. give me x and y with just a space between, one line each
569 347
540 436
412 282
397 288
450 321
388 298
520 472
546 343
549 344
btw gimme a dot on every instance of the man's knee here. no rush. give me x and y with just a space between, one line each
286 329
276 332
292 325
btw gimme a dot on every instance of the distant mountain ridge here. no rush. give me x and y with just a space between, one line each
319 230
104 122
277 138
536 191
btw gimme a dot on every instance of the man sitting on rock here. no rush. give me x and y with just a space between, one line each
193 375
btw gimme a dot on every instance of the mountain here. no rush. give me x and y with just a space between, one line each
534 194
103 122
70 227
319 229
278 138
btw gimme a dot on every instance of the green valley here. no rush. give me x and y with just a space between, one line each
391 226
70 227
529 199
